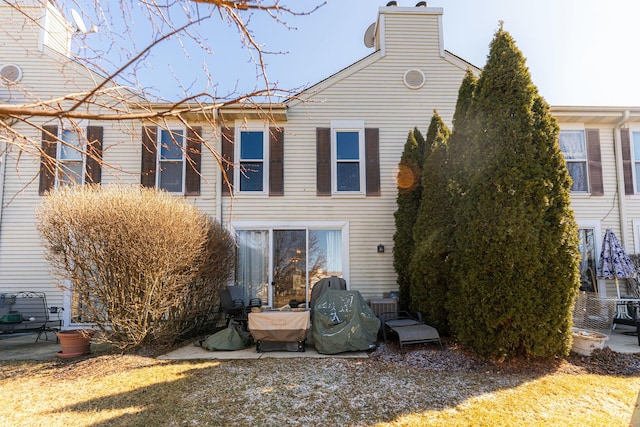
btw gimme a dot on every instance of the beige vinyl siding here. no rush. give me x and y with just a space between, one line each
47 74
372 91
22 263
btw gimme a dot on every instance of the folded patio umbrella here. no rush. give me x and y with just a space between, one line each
614 261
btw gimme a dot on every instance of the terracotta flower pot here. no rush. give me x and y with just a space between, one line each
75 342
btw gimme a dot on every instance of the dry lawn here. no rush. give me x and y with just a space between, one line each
129 390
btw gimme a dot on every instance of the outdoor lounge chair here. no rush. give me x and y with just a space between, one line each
409 329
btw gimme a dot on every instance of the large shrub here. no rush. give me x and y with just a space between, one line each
409 181
432 234
516 236
143 265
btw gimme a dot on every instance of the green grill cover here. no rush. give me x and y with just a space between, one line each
342 321
232 338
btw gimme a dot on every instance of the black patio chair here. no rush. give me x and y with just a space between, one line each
233 308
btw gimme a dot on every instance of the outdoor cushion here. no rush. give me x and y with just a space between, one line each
11 318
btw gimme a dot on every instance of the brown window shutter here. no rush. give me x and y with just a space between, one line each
595 162
48 159
372 157
323 161
626 161
194 162
149 150
228 135
276 162
93 174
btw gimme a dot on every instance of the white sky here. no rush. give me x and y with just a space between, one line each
579 52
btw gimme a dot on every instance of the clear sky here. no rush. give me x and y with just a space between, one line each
579 52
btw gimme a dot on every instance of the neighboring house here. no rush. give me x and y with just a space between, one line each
314 190
602 150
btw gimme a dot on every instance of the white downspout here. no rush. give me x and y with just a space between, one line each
3 161
219 183
620 176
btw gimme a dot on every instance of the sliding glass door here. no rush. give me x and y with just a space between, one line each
289 279
280 265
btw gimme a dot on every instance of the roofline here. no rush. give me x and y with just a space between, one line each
349 68
609 115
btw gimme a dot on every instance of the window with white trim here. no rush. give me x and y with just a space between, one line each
347 156
70 156
253 158
171 160
574 148
635 135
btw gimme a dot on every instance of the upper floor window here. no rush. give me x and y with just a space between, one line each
70 157
253 173
581 149
252 159
171 159
636 159
347 159
71 154
171 149
348 151
573 145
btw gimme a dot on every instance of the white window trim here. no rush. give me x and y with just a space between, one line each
348 126
159 154
636 190
240 127
81 128
636 235
597 237
580 127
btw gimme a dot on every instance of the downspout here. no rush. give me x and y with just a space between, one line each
219 182
620 176
3 161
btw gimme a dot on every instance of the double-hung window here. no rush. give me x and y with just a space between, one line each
71 154
70 157
252 175
573 145
171 160
347 157
581 149
636 159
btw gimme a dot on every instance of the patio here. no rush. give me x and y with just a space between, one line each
24 347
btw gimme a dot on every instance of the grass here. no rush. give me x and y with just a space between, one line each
114 390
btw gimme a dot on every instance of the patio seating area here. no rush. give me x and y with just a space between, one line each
22 347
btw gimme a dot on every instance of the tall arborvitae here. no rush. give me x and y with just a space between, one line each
409 196
458 142
432 234
517 259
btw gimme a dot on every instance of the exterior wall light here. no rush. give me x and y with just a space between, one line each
380 248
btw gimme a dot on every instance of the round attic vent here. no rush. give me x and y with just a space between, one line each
10 73
414 78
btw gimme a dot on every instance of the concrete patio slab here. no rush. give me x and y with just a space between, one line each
25 347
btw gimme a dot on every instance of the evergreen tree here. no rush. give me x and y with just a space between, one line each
432 234
458 142
408 200
516 239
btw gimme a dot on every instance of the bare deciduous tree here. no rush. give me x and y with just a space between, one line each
117 59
